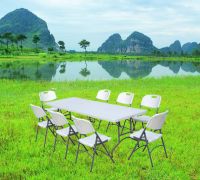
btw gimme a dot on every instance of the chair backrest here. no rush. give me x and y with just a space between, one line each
157 121
46 96
151 101
38 111
125 98
58 119
103 94
83 126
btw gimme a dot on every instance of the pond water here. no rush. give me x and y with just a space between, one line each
96 70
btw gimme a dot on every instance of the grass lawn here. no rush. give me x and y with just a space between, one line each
22 157
89 57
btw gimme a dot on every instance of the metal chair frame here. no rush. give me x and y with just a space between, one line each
98 142
155 125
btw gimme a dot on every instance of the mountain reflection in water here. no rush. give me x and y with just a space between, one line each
96 70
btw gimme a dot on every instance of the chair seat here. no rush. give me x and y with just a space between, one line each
151 136
143 118
42 124
90 140
65 131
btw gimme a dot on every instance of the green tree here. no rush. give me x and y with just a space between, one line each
61 45
36 39
50 50
21 38
1 40
7 36
156 53
84 44
16 41
12 39
169 53
196 52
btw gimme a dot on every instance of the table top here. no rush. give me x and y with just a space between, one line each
96 109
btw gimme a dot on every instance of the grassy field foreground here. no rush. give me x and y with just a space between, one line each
22 157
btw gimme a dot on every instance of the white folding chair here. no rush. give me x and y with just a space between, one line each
59 121
43 120
124 98
47 96
155 125
84 127
151 102
103 95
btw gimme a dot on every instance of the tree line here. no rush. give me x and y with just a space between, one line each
158 53
9 39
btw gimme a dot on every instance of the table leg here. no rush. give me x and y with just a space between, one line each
131 125
119 135
118 125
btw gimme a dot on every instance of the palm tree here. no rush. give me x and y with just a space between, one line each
1 40
61 45
84 44
12 39
16 41
7 37
21 38
36 39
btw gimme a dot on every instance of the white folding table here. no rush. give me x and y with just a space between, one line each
99 110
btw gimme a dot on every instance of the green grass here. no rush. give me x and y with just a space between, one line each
22 157
89 57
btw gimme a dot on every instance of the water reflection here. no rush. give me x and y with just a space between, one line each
134 69
62 68
32 71
84 71
95 70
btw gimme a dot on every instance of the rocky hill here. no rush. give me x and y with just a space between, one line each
136 43
176 48
173 48
190 47
112 44
22 21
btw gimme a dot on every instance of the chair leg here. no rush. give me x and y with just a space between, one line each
55 140
45 139
107 126
134 149
142 125
149 152
144 148
71 140
67 145
164 146
108 153
36 133
77 152
99 124
93 159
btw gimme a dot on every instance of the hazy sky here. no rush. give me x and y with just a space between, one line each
72 20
